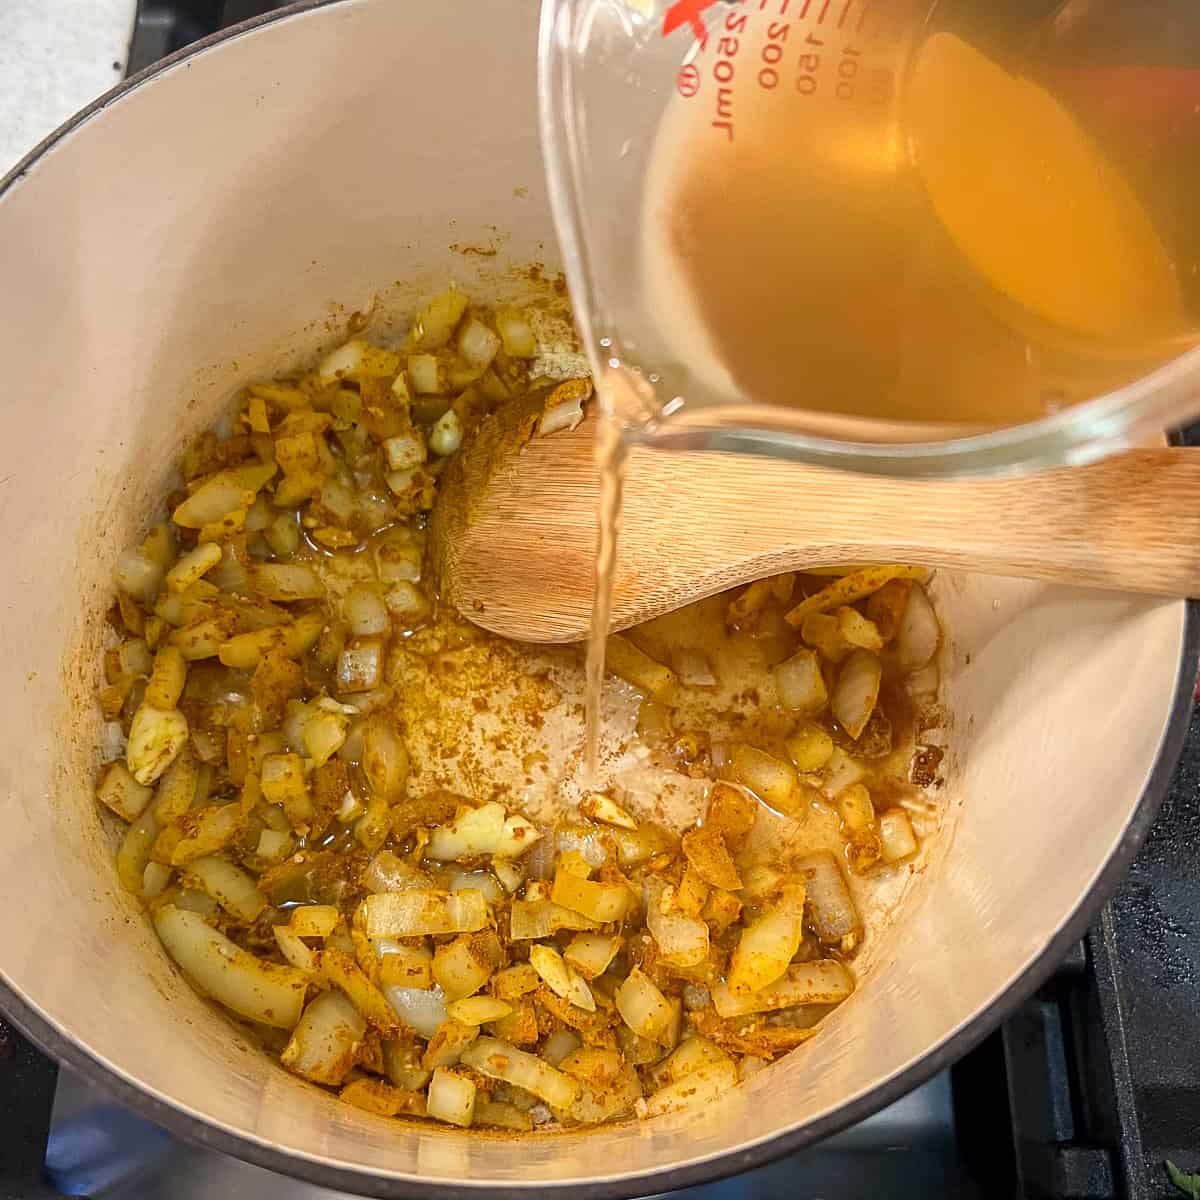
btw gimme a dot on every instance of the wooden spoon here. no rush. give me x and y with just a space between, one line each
514 532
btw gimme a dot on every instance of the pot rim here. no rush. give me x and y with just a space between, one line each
65 1050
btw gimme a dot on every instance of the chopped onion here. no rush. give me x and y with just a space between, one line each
831 911
857 691
221 494
463 966
168 676
119 791
286 582
566 414
365 613
257 990
403 966
446 436
560 978
823 632
137 576
384 757
826 981
582 840
689 1056
514 982
155 879
768 944
482 881
404 451
509 875
809 748
360 667
198 833
638 845
415 911
799 683
451 1098
841 771
918 635
340 970
473 832
559 1044
357 359
283 783
708 855
274 846
886 606
447 1044
156 736
850 588
769 778
591 954
425 374
314 920
375 1096
705 1086
856 810
434 324
398 558
477 343
896 836
638 1051
636 667
609 1086
596 806
732 812
134 855
177 788
324 734
534 919
924 683
387 872
502 1116
643 1007
423 1009
499 1060
192 566
477 1010
402 1064
406 603
516 333
683 940
859 631
229 886
300 955
193 901
599 902
324 1044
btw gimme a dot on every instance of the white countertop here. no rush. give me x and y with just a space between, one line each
55 57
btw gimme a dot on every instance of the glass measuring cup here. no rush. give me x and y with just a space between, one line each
893 235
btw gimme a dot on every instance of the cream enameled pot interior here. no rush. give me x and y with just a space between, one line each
202 229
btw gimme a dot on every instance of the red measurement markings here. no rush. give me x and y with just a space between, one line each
824 10
687 82
845 13
862 17
723 71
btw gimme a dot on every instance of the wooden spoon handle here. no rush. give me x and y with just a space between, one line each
695 524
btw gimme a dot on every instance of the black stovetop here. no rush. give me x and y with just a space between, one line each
1083 1094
